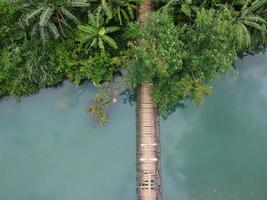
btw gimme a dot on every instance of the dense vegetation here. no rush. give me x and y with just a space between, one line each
183 47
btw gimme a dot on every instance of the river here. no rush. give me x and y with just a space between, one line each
50 150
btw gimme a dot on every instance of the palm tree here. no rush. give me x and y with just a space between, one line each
50 18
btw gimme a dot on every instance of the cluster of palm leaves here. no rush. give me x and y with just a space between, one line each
57 18
121 10
50 18
250 22
95 33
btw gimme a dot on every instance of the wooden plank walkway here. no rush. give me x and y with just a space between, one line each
148 147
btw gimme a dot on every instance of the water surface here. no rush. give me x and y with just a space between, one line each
50 150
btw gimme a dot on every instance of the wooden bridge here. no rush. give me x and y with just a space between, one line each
148 147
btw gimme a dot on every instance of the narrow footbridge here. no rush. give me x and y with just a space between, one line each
148 147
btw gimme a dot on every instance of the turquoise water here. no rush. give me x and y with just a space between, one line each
50 150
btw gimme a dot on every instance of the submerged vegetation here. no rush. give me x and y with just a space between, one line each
183 47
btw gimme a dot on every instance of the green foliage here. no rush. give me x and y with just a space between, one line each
180 50
250 18
125 10
26 65
77 65
96 33
180 61
251 24
50 18
101 102
9 31
121 10
25 69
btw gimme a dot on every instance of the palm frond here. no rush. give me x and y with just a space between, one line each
69 15
119 15
29 16
34 30
131 12
111 29
53 29
256 5
255 19
44 34
110 41
93 43
65 23
84 38
125 15
99 19
45 16
246 37
106 9
254 25
79 4
101 44
88 30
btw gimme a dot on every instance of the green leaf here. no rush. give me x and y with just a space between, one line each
44 34
69 15
63 21
240 2
125 15
185 8
45 16
255 19
254 25
131 12
35 30
91 18
33 14
110 41
79 4
106 9
99 20
52 27
93 42
256 5
102 31
119 15
101 44
84 38
88 29
61 28
111 29
245 34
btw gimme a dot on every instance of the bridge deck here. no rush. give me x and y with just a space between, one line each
148 147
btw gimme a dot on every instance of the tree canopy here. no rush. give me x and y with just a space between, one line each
185 45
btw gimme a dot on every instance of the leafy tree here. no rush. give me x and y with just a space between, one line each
180 69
